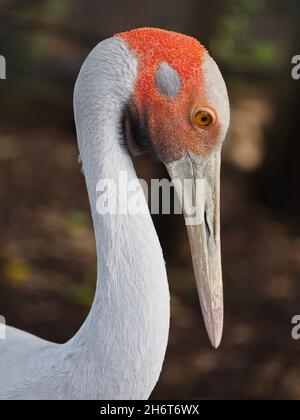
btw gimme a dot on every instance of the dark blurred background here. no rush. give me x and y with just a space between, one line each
47 253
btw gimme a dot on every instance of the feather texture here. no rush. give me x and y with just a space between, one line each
119 351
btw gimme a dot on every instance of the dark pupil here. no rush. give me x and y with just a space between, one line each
204 119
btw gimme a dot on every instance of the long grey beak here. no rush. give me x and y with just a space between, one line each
197 182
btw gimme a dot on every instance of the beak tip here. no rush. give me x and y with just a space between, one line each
215 329
216 342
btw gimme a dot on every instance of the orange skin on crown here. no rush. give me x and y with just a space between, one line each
170 120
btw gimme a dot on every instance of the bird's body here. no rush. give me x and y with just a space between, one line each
119 351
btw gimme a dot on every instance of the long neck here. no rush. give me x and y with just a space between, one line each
121 345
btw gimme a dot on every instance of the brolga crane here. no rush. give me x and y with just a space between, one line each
147 90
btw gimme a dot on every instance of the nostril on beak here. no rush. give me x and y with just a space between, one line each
207 227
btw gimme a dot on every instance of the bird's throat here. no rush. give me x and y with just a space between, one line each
126 331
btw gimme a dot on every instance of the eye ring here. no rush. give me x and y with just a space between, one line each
204 118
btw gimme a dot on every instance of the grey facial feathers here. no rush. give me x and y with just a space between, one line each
216 93
167 81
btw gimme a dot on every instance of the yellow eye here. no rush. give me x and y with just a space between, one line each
204 119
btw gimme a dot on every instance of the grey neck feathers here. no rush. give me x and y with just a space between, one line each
121 345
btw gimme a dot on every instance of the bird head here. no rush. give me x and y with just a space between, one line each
179 113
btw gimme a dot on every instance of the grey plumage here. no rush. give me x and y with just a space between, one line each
119 351
167 80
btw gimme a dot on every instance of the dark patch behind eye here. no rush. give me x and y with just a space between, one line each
136 132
